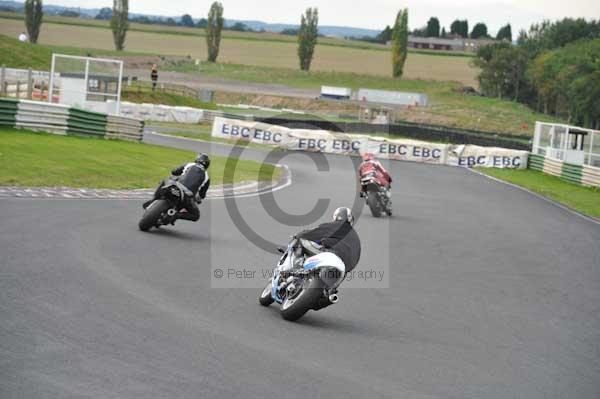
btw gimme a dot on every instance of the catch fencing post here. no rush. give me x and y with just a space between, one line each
29 84
3 81
18 89
119 88
51 87
591 148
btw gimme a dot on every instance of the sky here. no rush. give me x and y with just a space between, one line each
372 14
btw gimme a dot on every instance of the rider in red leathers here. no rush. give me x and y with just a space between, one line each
382 177
369 165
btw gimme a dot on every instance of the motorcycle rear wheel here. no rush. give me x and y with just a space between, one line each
305 299
152 214
374 204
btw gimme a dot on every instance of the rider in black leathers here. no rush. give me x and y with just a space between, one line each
194 177
338 237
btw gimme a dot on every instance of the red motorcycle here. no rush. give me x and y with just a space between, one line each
377 197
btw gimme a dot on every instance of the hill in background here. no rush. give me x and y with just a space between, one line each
336 31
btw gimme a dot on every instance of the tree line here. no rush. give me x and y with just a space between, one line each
307 33
458 28
185 20
554 68
213 24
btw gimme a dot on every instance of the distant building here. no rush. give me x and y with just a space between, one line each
447 44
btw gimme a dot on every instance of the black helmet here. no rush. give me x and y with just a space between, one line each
203 160
344 214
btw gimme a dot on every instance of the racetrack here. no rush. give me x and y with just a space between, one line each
493 293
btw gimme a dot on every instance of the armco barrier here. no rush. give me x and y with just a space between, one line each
61 119
590 176
578 174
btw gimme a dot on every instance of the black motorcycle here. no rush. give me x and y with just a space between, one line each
167 205
375 195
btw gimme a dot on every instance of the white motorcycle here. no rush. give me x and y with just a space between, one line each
306 277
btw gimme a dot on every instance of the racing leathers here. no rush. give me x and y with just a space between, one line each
195 178
381 174
338 237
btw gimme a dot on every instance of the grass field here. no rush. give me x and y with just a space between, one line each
448 107
249 36
95 163
257 52
582 199
25 55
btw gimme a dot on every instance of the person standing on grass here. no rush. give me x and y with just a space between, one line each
154 76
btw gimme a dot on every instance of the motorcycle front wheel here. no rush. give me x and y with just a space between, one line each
265 297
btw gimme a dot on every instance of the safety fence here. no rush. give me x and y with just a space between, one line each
61 119
24 83
138 86
167 113
164 113
417 131
356 144
578 174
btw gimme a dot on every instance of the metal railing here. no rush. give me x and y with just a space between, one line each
27 84
139 86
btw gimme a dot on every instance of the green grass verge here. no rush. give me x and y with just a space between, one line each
15 54
162 97
287 115
46 160
582 199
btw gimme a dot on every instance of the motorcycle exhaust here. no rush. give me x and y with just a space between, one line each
333 298
171 212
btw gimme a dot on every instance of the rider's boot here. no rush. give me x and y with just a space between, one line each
188 216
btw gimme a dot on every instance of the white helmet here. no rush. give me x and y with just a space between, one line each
344 214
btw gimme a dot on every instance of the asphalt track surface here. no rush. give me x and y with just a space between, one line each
493 293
